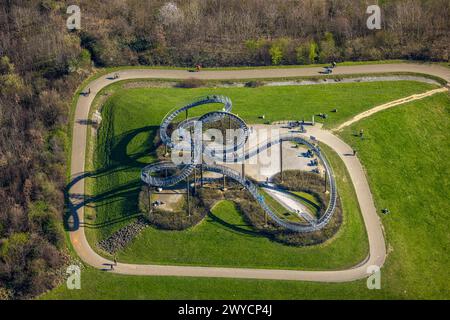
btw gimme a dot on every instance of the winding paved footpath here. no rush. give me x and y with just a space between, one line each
377 251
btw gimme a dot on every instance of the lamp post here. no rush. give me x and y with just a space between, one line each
243 161
195 181
281 159
149 199
224 187
188 196
201 171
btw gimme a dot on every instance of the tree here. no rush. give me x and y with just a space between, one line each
312 56
328 51
6 67
279 50
276 54
303 54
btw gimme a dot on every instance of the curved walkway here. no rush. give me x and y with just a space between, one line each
377 249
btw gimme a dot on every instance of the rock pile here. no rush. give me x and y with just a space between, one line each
121 238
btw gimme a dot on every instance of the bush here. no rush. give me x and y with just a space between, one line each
313 52
42 220
328 50
5 294
190 83
254 84
302 54
276 54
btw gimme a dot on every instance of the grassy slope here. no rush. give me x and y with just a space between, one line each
278 208
287 102
406 156
416 267
102 285
408 174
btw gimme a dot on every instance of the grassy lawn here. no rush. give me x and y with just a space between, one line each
278 103
103 285
405 154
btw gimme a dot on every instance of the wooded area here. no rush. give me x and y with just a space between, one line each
259 32
42 63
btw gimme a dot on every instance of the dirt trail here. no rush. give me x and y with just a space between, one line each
388 105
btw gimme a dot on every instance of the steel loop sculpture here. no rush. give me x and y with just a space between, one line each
192 138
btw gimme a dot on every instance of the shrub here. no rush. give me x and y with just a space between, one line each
313 52
254 84
190 83
5 294
276 54
302 54
328 50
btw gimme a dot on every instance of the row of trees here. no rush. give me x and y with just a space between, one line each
41 64
288 51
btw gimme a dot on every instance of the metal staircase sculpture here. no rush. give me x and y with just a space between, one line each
198 150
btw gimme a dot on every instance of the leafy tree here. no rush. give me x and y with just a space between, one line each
302 54
6 67
279 50
328 50
276 54
313 52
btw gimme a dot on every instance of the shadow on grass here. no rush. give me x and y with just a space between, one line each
126 195
110 222
234 227
118 151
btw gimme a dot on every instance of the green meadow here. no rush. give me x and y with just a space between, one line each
405 153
